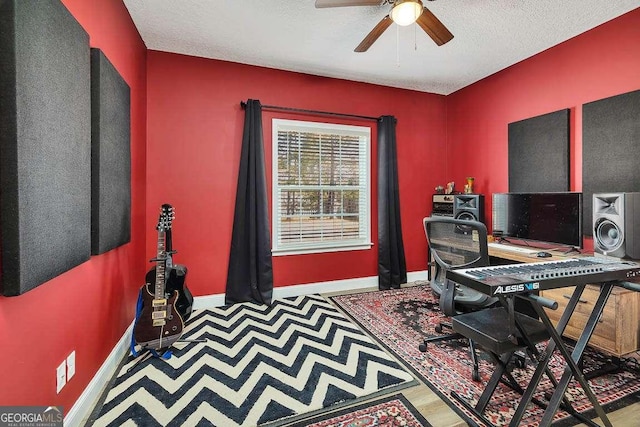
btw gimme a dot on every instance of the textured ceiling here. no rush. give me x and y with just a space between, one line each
489 35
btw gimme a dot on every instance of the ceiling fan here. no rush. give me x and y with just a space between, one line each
403 12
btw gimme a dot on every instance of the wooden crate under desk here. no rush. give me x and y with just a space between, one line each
617 332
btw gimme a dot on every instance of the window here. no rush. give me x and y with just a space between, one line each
320 187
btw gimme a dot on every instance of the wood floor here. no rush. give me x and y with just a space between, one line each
439 414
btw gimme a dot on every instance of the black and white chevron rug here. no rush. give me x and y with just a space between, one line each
260 365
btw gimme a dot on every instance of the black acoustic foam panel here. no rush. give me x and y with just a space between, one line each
45 143
610 148
110 156
539 153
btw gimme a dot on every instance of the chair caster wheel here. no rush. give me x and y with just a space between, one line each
438 329
475 375
423 347
520 362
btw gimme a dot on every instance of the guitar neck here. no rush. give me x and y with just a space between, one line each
160 267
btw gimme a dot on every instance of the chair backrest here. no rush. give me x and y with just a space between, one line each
457 243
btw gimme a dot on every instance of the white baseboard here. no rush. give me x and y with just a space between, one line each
325 287
416 275
208 301
85 403
217 300
87 400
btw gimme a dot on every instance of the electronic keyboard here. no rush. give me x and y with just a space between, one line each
527 277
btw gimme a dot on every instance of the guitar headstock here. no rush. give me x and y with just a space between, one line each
167 214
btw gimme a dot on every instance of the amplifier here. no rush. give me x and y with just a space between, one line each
442 205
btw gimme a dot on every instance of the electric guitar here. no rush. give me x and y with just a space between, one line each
175 275
159 324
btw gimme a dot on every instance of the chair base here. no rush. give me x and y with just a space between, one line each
519 359
475 372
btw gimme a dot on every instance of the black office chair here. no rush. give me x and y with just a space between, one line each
456 243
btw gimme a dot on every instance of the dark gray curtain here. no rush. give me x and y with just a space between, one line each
392 268
250 274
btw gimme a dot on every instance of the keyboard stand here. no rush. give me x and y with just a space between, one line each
509 283
572 360
614 366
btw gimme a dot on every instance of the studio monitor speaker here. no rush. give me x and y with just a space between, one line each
616 224
469 207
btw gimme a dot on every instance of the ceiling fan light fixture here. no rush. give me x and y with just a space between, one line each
406 12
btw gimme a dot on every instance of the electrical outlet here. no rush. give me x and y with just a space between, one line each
61 376
71 365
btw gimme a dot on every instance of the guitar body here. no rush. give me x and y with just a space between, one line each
147 333
177 275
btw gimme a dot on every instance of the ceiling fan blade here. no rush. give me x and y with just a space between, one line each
374 34
339 3
432 26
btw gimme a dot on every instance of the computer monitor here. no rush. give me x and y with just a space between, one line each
543 217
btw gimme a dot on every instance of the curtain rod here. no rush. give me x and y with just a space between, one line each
299 110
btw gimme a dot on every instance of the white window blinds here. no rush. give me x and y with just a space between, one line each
320 187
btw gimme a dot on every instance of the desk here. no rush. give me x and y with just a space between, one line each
501 251
618 330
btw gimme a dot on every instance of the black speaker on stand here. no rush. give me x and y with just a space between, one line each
616 224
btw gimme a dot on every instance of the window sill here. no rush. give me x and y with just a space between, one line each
302 251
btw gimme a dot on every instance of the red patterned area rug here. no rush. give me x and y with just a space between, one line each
400 318
391 411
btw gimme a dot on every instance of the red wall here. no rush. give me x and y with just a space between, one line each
87 308
600 63
186 137
195 132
